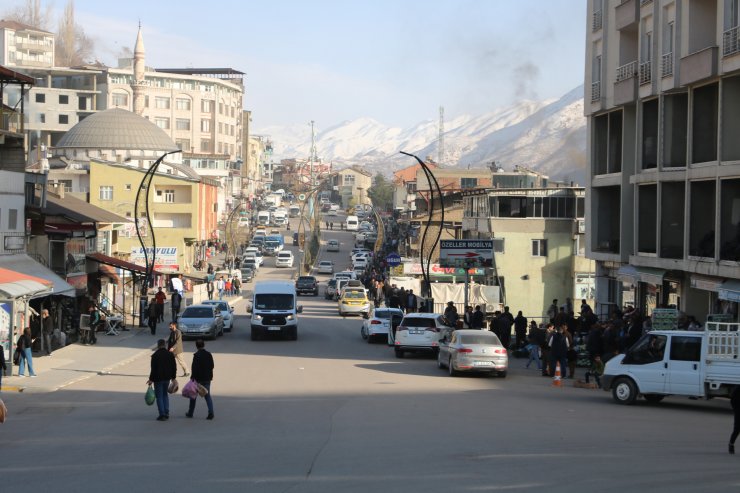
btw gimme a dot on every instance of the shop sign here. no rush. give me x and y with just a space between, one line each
414 268
665 318
164 261
706 283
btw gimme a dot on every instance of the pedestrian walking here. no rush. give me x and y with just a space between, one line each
220 287
558 351
174 345
210 288
477 318
3 366
153 313
175 301
23 344
202 372
47 329
411 301
227 286
236 284
160 297
92 337
163 370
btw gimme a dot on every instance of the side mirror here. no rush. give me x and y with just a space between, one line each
299 309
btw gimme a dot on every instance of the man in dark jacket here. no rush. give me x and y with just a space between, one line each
477 318
558 350
520 329
163 370
202 372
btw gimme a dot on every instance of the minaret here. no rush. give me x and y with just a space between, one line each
139 81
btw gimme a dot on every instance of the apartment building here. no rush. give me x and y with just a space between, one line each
22 45
662 88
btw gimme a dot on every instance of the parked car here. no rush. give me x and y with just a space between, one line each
331 289
257 256
201 320
247 273
331 212
419 332
227 312
295 239
472 351
332 246
326 267
284 259
353 301
307 284
380 323
250 263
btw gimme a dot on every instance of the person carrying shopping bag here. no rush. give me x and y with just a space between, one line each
202 372
163 370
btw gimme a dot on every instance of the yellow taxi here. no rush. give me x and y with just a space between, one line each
353 301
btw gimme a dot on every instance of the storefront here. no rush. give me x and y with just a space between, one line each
728 298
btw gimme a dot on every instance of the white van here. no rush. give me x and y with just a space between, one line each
274 310
352 223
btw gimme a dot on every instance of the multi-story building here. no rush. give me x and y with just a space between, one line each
538 243
449 180
404 187
25 46
353 183
662 85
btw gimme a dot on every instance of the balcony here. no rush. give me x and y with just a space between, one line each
625 87
595 91
597 20
699 66
646 73
626 15
626 71
729 42
666 65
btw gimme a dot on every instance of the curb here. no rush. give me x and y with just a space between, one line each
13 388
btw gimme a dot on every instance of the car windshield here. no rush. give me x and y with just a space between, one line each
306 279
274 301
332 283
355 295
325 264
197 312
221 306
418 322
482 338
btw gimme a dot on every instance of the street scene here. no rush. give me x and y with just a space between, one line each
283 264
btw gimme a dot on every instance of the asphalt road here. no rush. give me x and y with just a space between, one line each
330 412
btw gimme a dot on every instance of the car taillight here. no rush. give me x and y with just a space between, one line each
464 350
376 322
499 351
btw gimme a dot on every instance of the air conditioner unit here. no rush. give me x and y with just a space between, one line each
581 226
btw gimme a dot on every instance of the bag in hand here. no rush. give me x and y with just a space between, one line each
17 357
202 391
173 386
190 390
149 397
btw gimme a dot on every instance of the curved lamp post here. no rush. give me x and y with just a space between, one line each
145 231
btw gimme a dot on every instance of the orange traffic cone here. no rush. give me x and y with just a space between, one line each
556 382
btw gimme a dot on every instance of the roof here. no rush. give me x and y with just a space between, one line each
29 267
79 211
115 262
200 71
11 76
409 173
356 169
14 284
262 287
19 26
117 129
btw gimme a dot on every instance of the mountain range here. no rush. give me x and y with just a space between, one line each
545 136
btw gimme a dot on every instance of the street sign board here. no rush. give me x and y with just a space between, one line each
393 259
302 197
466 253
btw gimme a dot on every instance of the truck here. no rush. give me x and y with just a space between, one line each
696 364
263 218
280 217
273 244
274 199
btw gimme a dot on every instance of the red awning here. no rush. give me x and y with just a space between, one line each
14 284
118 263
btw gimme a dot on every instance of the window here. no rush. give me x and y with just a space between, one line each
42 118
182 124
118 99
206 106
205 125
498 245
220 127
183 144
169 196
349 179
127 187
12 219
63 119
163 123
162 103
220 108
685 348
649 349
205 145
40 97
106 193
539 248
63 99
468 182
182 104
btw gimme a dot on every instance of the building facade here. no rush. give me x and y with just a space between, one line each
662 84
25 46
352 184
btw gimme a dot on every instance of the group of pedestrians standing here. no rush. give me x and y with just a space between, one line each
163 370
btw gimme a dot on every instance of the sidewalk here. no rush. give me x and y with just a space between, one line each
77 362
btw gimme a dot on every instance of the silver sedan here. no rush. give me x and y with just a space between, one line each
473 351
380 323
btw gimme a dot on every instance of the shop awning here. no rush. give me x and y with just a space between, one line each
730 291
706 283
15 285
118 263
110 272
631 273
29 267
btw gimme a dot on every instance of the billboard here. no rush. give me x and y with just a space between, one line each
466 253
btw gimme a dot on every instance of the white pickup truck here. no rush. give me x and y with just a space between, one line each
674 362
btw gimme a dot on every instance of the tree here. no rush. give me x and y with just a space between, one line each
73 46
32 15
381 193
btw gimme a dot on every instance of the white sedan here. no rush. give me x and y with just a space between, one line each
380 323
326 267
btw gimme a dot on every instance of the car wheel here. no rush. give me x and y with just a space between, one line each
451 369
624 391
399 353
214 335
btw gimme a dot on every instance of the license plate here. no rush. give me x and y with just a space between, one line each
416 332
483 363
273 328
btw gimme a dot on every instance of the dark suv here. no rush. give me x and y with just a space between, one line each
307 284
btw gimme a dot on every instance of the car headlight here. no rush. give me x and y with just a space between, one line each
257 317
289 317
205 326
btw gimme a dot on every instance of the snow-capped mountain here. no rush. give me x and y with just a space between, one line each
547 136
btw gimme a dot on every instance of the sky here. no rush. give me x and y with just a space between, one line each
396 61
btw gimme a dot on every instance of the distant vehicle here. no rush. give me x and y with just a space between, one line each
251 263
345 274
334 207
307 284
326 267
295 239
263 218
352 223
201 320
279 218
257 256
284 259
325 207
380 323
331 212
332 246
244 222
353 301
472 351
274 310
247 274
331 289
294 211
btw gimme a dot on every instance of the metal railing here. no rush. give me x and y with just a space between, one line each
597 20
666 65
730 44
626 71
646 73
595 91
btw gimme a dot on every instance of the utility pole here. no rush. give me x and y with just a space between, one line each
312 158
441 143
